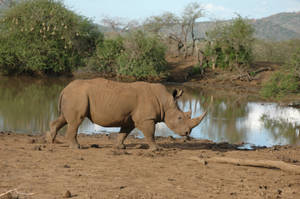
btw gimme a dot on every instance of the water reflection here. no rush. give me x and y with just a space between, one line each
27 105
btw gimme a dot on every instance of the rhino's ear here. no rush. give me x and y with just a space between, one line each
177 93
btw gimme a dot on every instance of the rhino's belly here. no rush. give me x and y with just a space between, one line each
111 120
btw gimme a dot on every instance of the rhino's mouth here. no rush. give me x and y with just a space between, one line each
187 133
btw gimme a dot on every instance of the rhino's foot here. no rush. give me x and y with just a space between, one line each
120 146
49 137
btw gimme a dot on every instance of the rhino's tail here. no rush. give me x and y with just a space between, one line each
59 102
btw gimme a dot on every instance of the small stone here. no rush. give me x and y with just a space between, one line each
67 166
31 141
37 148
279 191
67 194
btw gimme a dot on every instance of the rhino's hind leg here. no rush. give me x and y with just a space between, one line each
71 135
124 132
55 126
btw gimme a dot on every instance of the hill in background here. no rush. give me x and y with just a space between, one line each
278 27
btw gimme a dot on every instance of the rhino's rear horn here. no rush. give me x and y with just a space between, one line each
188 114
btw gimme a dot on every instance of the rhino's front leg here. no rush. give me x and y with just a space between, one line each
120 141
124 132
148 129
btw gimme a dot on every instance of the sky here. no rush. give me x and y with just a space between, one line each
214 9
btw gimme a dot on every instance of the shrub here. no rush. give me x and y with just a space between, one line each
42 36
143 56
105 58
279 52
134 54
197 69
280 84
230 44
294 62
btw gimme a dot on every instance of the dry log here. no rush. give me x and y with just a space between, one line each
249 75
8 194
270 164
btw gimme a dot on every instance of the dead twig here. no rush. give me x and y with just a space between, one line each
8 192
3 195
269 164
249 75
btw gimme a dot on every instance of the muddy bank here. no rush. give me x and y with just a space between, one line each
39 170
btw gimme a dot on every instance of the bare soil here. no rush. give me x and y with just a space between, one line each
39 170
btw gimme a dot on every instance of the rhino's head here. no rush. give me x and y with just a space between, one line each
178 121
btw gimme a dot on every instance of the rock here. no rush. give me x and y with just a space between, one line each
37 148
295 104
67 194
31 141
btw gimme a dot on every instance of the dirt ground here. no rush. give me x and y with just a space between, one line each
39 170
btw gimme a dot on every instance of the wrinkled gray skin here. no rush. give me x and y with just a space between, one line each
127 105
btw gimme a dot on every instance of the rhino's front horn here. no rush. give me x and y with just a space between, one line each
194 122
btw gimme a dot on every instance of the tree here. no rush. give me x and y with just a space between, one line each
230 45
42 36
118 25
191 13
177 28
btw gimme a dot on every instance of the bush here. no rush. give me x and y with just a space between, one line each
42 36
197 69
135 54
280 84
279 52
294 62
105 58
230 44
143 56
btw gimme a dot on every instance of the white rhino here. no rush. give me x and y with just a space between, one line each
114 104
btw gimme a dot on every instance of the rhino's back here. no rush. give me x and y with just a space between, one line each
114 103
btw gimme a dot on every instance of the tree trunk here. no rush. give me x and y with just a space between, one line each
193 38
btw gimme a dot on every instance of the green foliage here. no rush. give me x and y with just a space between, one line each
135 54
197 69
143 56
105 58
279 52
230 44
294 63
280 84
42 36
